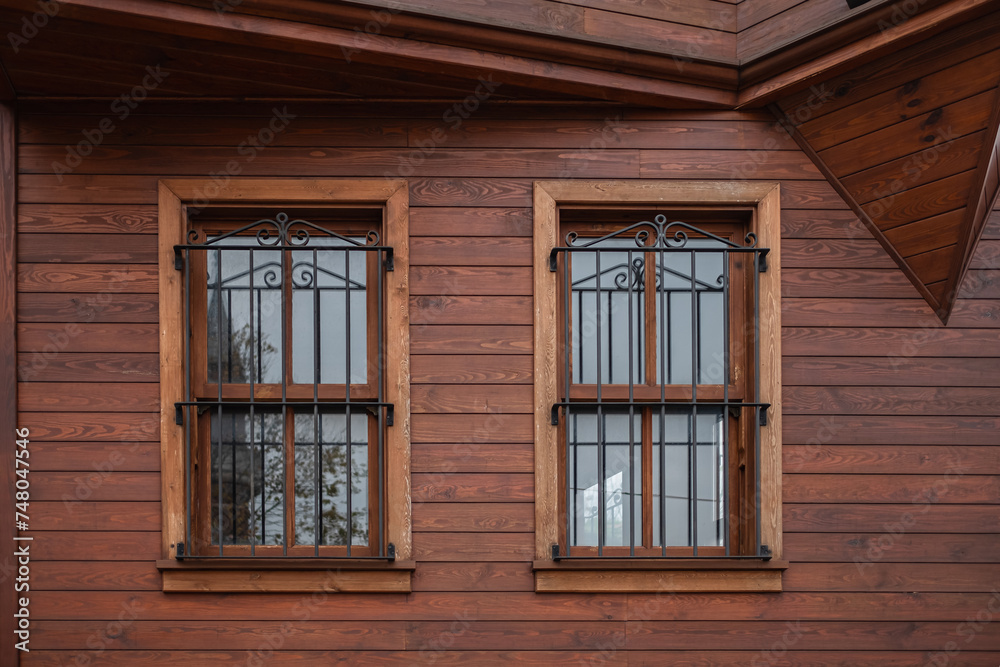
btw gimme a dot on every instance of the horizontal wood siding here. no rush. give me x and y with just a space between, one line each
892 472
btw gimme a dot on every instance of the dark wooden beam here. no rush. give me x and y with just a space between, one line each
8 378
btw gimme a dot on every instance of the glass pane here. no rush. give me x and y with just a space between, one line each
244 314
618 495
673 472
328 299
675 318
607 314
322 461
247 477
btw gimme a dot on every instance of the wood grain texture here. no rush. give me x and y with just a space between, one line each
8 361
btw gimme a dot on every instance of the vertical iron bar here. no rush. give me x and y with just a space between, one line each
695 373
568 358
187 397
726 343
263 510
218 379
601 482
631 416
757 397
284 399
317 448
347 390
663 339
380 258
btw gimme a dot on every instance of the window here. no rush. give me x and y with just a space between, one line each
659 451
289 411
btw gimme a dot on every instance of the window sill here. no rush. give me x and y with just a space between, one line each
275 576
651 576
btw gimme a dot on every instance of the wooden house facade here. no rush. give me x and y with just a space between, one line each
482 454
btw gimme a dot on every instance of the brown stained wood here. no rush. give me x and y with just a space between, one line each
131 278
865 550
443 309
733 165
248 580
613 131
916 169
86 219
94 576
908 136
344 162
143 635
88 456
927 234
816 195
476 192
992 229
88 397
470 398
878 312
86 189
494 427
470 280
923 517
72 514
457 251
93 367
891 371
933 266
490 222
124 427
474 517
473 576
8 374
901 400
529 635
83 308
806 224
472 488
951 486
980 284
862 253
96 486
208 131
505 457
987 255
87 248
477 368
925 201
480 547
88 337
913 98
640 581
95 546
845 283
470 339
892 430
925 340
869 576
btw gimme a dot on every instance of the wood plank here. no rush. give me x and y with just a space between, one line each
470 280
112 485
477 547
900 400
473 488
860 253
505 457
473 576
86 219
441 309
88 337
530 635
478 428
987 255
96 455
466 192
8 375
471 398
640 581
925 201
87 307
913 98
491 222
130 278
474 368
88 397
818 457
807 224
736 165
89 427
470 251
957 486
94 576
94 546
925 131
867 576
930 518
245 580
86 189
892 430
470 339
719 15
87 248
845 283
474 517
863 550
880 312
980 284
810 195
71 515
933 266
922 235
927 341
93 367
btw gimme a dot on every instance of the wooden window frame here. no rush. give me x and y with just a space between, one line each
329 574
762 199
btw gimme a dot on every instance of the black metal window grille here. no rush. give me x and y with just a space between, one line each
284 408
653 419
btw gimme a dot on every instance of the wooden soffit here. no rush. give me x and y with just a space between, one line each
911 142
